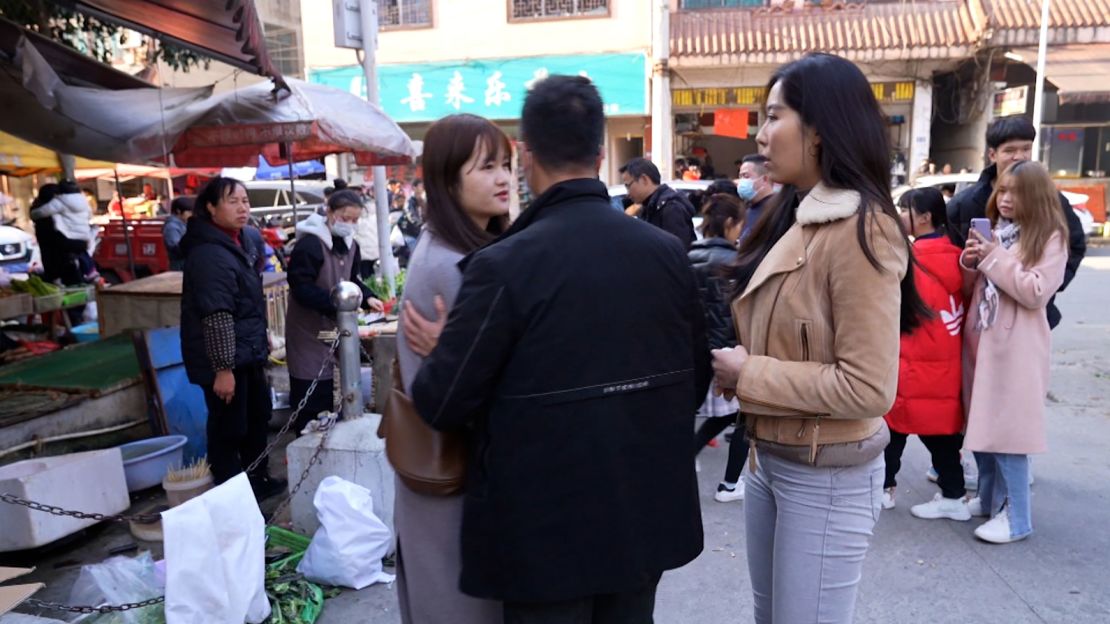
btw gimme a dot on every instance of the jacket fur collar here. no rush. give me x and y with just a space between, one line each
825 204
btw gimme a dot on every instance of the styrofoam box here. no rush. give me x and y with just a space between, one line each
89 482
354 452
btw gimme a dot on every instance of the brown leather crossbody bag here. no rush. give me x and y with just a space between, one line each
429 462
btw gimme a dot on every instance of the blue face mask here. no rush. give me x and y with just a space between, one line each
746 189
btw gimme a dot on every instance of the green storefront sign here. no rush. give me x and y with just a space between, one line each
492 88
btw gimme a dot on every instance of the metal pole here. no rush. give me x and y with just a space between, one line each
368 15
292 183
662 133
1038 93
126 225
347 297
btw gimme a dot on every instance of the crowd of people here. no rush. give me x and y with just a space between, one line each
571 348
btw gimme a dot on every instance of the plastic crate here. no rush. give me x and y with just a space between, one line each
48 303
12 306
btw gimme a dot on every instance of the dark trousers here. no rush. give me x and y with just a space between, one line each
636 607
237 430
321 399
945 450
737 448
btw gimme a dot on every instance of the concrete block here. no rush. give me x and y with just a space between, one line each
89 482
19 618
354 452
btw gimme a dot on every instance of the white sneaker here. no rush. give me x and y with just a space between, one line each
941 507
726 495
888 498
997 530
975 508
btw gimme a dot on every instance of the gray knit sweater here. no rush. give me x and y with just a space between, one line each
432 271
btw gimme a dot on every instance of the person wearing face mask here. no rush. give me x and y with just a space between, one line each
325 254
755 188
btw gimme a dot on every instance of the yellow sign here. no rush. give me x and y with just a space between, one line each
712 97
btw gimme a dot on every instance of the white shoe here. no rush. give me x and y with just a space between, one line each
997 530
975 508
888 498
941 507
726 495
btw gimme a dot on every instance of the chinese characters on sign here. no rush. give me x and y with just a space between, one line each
713 97
493 88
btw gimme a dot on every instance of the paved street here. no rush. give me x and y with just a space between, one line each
936 571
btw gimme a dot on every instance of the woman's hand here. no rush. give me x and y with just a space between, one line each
375 304
985 245
726 369
224 387
423 335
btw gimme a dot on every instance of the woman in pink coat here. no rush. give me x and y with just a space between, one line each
1007 346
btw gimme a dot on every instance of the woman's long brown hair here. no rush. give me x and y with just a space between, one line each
448 144
1037 208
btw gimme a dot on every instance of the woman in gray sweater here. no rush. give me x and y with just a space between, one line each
467 175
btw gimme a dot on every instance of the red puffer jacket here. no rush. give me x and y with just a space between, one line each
929 373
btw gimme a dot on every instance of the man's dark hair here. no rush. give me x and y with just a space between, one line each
563 122
1012 128
182 204
641 167
417 182
758 160
339 183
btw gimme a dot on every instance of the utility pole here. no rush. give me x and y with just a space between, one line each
662 121
1038 93
368 19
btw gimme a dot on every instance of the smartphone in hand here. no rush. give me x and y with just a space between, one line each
983 226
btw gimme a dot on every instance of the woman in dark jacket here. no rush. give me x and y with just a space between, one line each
223 332
723 221
325 254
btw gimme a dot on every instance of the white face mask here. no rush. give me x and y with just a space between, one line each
343 230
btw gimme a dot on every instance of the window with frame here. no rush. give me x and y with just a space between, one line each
555 9
284 49
396 14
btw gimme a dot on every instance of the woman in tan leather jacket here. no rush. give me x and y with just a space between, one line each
823 294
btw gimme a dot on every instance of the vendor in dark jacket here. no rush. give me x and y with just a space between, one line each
722 221
324 255
1009 141
663 207
223 332
577 497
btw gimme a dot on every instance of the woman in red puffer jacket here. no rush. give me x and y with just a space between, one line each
929 376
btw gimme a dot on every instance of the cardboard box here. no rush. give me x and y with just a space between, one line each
12 595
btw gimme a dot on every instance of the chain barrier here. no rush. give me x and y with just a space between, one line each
56 606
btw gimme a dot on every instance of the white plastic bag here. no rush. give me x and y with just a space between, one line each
216 558
348 547
120 580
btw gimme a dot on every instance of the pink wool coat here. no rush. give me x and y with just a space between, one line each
1006 367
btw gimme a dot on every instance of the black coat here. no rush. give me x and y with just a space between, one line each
971 203
221 276
576 350
710 257
58 253
670 211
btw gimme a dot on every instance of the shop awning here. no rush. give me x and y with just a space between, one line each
21 158
1081 73
229 31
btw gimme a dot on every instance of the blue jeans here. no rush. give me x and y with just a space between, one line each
1004 480
808 530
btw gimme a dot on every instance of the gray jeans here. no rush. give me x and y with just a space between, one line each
808 530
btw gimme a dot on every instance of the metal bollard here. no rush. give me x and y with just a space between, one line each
347 297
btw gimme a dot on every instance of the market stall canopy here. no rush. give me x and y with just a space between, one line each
227 30
266 171
22 158
312 120
38 105
127 172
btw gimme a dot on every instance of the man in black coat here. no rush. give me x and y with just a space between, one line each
576 353
662 206
1009 141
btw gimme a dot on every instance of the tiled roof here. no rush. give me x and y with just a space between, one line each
892 31
1064 13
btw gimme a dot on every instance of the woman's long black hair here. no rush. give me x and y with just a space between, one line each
832 96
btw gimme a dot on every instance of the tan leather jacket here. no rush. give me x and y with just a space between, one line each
822 326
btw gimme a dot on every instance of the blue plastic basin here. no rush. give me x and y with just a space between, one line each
146 462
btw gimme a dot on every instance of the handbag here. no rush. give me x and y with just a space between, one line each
429 462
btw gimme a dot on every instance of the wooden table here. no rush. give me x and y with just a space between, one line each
155 301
